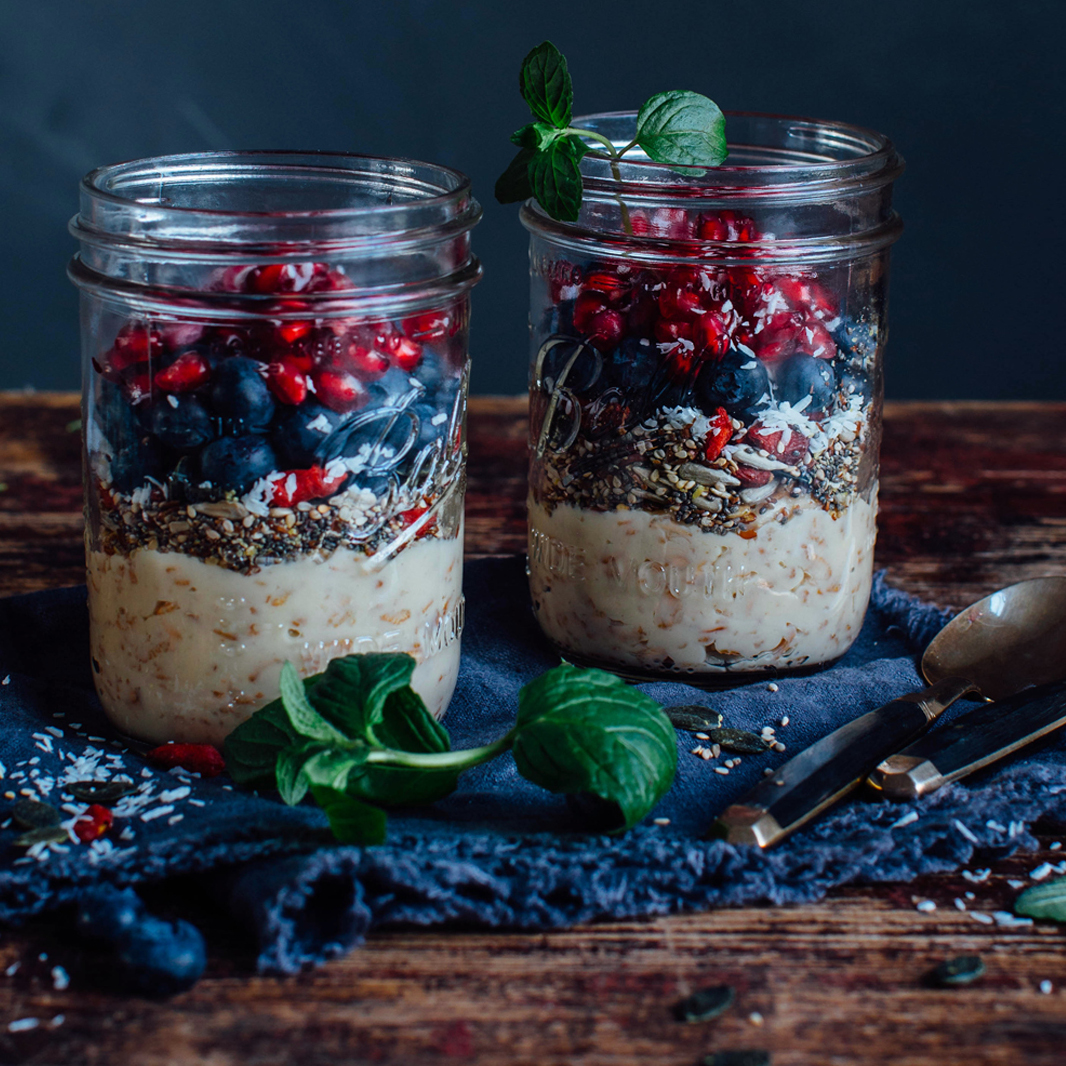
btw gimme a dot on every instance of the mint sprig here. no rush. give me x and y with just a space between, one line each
680 129
358 739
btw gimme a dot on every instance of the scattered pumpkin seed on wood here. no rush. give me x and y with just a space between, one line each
1044 901
738 741
33 814
953 973
51 834
738 1057
103 792
705 1004
693 718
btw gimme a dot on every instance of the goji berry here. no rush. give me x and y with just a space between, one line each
203 759
94 823
718 434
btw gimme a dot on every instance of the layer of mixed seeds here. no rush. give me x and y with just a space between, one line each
661 465
226 533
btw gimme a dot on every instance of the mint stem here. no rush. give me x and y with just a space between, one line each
442 760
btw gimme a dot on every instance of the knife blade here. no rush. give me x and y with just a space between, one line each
973 740
821 774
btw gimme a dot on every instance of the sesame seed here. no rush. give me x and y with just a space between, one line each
660 821
1046 988
771 687
720 770
926 906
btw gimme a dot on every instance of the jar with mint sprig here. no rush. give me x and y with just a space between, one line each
708 318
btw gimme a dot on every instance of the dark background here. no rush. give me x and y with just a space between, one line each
972 94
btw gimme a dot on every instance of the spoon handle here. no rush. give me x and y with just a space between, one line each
821 774
971 741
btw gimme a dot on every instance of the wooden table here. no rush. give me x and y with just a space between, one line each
973 497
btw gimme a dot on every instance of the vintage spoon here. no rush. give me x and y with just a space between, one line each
1021 632
1004 643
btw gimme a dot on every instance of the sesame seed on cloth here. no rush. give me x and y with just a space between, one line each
499 852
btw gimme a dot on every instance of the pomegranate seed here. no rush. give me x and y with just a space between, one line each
94 823
718 434
405 352
807 295
189 371
667 330
586 307
137 387
180 335
675 302
266 279
774 348
606 329
430 326
290 332
816 340
711 333
681 362
339 390
368 363
639 224
286 381
712 229
203 759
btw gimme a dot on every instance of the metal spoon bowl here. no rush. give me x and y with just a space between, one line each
1006 642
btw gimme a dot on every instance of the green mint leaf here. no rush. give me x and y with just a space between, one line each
512 186
252 749
352 693
587 731
555 176
288 773
352 821
1044 901
545 85
682 129
405 725
302 716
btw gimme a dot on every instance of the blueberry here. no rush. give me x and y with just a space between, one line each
108 913
240 397
857 339
854 382
306 435
237 463
381 437
431 372
804 376
131 450
181 423
432 424
391 388
633 364
570 362
739 383
159 958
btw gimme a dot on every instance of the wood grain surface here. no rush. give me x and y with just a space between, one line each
973 496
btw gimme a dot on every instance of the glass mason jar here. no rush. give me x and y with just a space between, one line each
706 398
275 375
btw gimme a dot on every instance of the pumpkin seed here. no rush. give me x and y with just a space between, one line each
103 792
33 814
50 834
746 1057
739 741
961 970
1044 901
692 718
705 1004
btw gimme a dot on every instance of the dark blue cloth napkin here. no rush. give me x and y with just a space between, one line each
500 851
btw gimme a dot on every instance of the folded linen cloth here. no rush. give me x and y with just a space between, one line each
500 851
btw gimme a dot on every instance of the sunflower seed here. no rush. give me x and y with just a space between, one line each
740 1057
961 970
739 741
692 718
102 792
33 814
705 1004
52 834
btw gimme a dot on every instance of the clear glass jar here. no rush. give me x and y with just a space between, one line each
705 402
275 376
